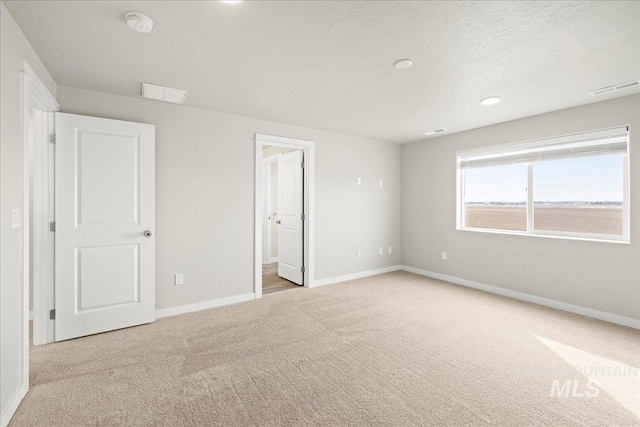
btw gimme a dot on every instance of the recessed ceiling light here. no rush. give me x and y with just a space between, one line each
163 93
432 132
403 64
139 22
492 100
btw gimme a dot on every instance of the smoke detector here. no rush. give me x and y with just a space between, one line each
139 22
433 132
615 88
163 93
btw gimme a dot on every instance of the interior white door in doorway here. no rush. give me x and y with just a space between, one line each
104 225
290 217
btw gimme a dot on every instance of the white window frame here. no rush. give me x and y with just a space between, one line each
625 238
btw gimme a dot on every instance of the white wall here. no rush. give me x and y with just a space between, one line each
205 195
13 48
595 275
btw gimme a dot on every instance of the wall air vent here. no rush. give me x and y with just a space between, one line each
615 88
163 93
433 132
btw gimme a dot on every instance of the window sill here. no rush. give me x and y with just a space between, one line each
606 239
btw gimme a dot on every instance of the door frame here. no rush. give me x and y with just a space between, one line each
36 97
308 148
267 162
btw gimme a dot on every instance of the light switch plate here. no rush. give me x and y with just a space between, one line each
15 218
379 251
359 181
390 250
359 253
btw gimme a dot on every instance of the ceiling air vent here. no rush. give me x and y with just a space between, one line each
433 132
163 93
615 88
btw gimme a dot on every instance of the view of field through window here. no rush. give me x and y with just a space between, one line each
496 197
579 195
583 195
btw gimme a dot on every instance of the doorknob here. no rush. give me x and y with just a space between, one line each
147 233
278 222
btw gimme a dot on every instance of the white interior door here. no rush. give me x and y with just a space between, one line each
105 225
290 210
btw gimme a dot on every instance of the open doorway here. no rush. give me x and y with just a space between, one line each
284 214
282 189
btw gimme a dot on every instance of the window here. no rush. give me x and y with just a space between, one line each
574 186
496 197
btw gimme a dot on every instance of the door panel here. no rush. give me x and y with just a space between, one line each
100 285
290 209
115 200
105 200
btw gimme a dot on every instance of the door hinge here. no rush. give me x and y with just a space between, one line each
52 314
52 226
302 165
302 269
302 217
52 138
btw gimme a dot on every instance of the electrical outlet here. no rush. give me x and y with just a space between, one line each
179 279
390 250
359 253
15 218
444 256
380 251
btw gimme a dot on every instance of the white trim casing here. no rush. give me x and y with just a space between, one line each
354 276
204 305
43 239
280 141
12 407
576 309
36 97
308 148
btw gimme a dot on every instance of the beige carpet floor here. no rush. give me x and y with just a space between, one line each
395 349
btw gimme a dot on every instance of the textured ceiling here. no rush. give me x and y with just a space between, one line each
328 65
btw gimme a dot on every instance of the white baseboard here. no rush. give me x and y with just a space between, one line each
12 407
576 309
354 276
189 308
